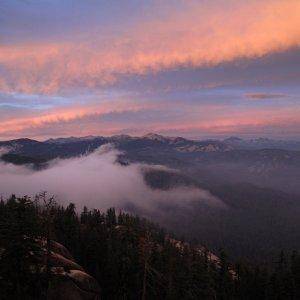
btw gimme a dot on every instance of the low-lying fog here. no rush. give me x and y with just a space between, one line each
96 180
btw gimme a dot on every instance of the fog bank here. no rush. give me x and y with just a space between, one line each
96 180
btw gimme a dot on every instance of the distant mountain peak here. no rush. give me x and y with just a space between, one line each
233 139
24 140
155 137
121 137
71 139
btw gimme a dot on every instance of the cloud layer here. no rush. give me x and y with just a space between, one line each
97 181
192 34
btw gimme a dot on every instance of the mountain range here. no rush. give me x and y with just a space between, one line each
230 160
257 180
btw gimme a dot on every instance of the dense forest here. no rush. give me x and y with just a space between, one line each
129 257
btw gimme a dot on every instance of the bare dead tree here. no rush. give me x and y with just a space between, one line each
48 205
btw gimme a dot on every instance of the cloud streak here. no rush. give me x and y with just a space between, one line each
194 118
69 114
262 96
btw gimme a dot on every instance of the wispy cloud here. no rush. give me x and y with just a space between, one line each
139 116
68 118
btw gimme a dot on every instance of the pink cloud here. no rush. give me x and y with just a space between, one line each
203 118
36 122
202 33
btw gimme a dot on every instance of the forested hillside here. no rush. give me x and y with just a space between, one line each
130 257
256 183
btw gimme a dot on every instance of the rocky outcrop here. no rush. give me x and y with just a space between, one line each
72 285
68 280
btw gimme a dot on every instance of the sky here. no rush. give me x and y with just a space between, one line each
197 68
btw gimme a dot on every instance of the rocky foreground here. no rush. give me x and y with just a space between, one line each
68 280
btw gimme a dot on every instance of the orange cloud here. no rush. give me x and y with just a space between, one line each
201 33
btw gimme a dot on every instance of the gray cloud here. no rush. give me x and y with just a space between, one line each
262 96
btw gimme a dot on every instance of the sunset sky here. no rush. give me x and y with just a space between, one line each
205 68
